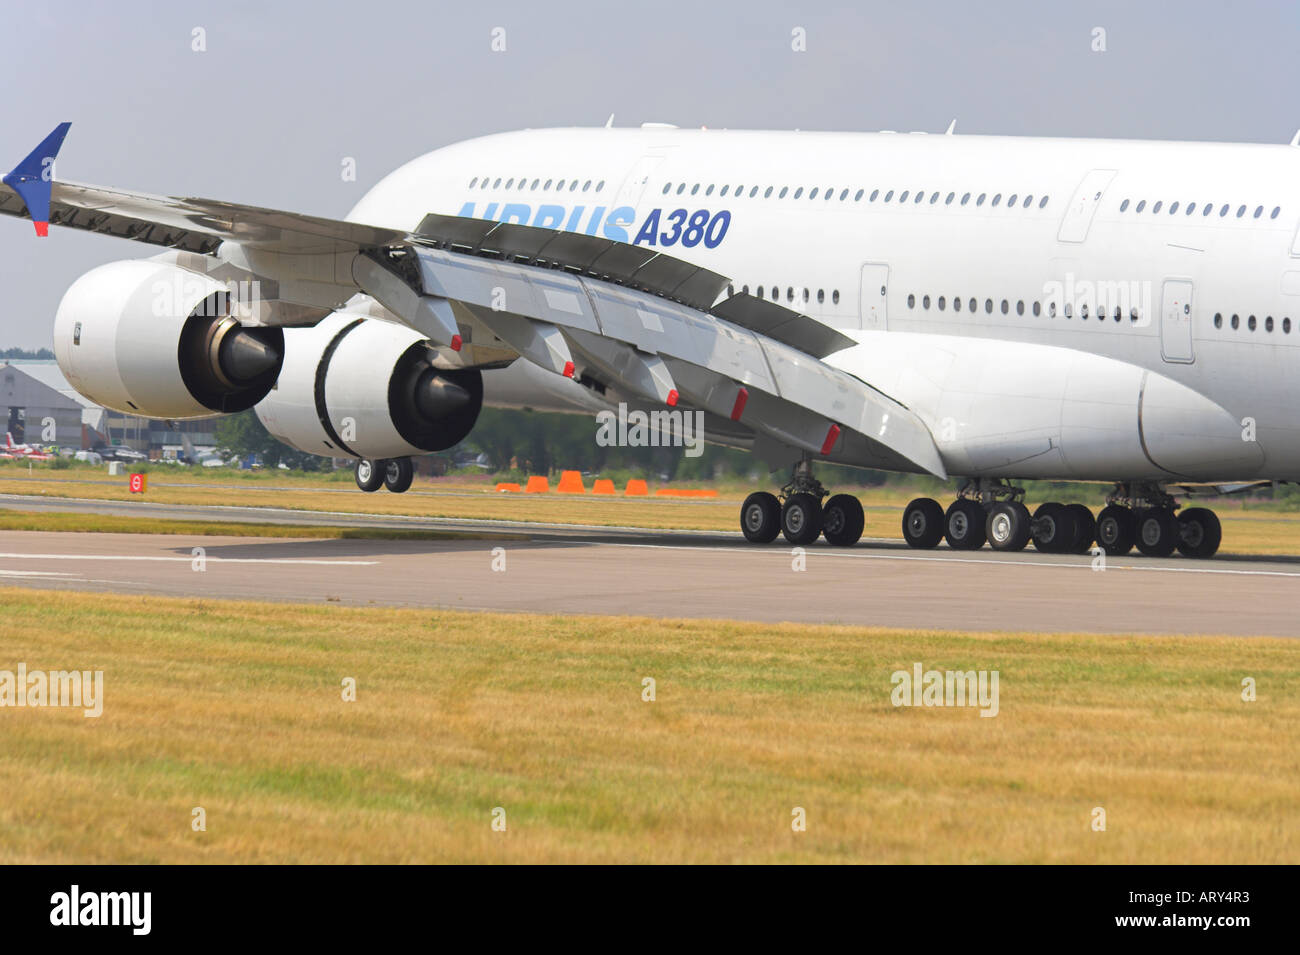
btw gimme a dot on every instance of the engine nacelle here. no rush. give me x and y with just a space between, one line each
149 338
367 388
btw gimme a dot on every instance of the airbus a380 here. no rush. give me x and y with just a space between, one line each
983 309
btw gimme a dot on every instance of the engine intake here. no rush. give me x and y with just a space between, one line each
146 337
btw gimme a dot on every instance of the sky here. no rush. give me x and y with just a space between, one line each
283 93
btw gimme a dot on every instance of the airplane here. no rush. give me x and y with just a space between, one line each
23 452
982 309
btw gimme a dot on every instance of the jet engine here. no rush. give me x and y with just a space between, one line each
368 388
149 338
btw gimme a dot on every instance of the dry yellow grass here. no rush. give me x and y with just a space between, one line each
1245 530
237 708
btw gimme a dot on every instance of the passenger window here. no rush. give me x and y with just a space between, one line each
811 195
1276 210
1218 319
948 200
965 199
768 193
980 200
1191 207
723 190
1236 322
835 296
925 302
956 303
1020 307
920 194
821 296
1004 306
1011 203
473 182
1142 204
1250 323
709 190
889 195
1042 202
941 303
1268 323
988 305
586 185
903 197
997 198
667 186
1223 211
934 198
1241 211
1209 207
681 187
974 306
1038 309
911 301
857 196
759 291
1259 211
1286 326
1123 206
798 192
695 188
1173 208
497 184
1156 207
784 190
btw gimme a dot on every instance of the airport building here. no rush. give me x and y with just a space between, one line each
41 407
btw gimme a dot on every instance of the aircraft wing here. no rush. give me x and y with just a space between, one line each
644 323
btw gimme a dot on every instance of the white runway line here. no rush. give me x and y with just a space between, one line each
36 573
1110 566
187 560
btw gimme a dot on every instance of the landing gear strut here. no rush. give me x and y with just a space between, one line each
800 515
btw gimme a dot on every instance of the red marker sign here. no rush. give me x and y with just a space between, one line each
138 483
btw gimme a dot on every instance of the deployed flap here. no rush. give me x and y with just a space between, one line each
776 321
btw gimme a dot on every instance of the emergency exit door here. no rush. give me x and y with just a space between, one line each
1176 321
872 295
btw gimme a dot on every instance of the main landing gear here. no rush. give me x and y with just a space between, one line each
1139 514
800 515
396 474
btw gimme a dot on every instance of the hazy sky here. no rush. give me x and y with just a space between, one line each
285 91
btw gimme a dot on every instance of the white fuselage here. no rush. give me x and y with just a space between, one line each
1013 263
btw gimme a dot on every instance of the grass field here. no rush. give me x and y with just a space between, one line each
80 523
1248 527
457 714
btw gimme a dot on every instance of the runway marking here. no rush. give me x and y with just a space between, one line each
964 560
187 560
36 573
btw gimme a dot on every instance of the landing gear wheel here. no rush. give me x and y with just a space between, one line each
923 523
843 520
398 474
1055 529
801 518
1007 526
1157 531
1086 526
369 474
1116 530
963 525
1199 532
760 518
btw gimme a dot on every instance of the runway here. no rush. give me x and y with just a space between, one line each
568 569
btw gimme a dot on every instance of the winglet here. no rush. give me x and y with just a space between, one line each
32 178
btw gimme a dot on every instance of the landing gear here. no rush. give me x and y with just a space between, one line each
1141 513
1157 531
801 518
760 518
369 475
1085 527
923 523
395 474
800 515
964 525
1008 526
1199 532
1116 530
843 520
1055 528
398 474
